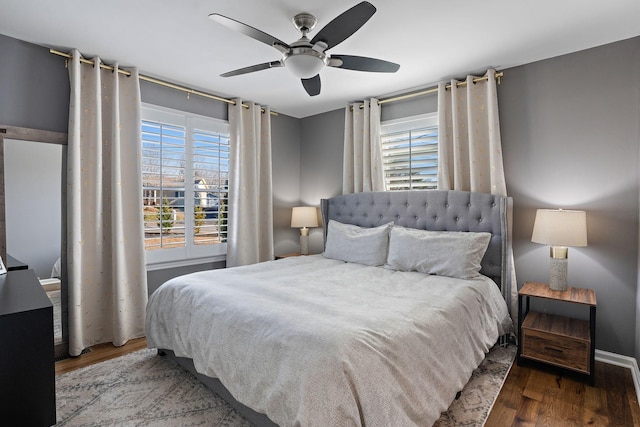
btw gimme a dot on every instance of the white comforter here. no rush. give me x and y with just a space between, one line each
311 341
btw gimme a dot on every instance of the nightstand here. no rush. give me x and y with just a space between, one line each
288 255
557 340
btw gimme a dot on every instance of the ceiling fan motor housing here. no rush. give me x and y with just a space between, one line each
304 22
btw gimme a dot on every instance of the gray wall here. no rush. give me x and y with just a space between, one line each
321 146
161 95
155 278
285 149
34 87
410 107
570 140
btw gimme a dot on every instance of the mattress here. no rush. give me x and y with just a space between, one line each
313 341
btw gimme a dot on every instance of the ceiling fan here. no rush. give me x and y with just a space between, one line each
305 58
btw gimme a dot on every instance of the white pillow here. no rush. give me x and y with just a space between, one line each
361 245
444 253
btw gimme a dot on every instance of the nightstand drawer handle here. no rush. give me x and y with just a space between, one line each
557 350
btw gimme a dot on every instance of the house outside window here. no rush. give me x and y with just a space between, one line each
185 179
410 153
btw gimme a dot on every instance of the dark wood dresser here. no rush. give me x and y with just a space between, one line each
15 264
27 366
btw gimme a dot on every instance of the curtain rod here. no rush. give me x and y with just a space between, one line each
188 91
434 90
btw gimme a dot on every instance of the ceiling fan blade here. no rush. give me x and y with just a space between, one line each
250 31
338 30
312 85
251 69
363 63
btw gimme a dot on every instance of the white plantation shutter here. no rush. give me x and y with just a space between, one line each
410 153
163 171
211 186
185 177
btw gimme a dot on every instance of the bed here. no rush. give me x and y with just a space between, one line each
350 337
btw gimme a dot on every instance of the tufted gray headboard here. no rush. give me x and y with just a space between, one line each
434 210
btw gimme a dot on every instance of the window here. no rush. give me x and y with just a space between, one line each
410 153
185 178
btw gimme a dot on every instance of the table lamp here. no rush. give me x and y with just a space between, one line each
559 228
303 217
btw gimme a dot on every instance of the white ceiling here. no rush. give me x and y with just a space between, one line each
431 40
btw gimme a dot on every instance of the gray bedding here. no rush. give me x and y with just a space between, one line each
312 341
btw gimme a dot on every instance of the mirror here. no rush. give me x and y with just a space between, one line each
34 216
33 192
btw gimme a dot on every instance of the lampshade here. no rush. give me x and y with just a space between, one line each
559 227
304 65
304 216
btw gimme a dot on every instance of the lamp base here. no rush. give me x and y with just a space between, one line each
304 245
558 274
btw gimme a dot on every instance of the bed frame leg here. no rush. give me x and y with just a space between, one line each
505 340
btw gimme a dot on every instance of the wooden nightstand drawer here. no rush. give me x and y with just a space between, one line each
556 349
559 340
555 339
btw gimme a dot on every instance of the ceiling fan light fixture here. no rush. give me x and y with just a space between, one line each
305 58
305 63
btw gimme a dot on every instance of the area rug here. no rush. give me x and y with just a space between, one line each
143 389
473 405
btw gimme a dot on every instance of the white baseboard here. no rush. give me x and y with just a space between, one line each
52 284
623 361
185 262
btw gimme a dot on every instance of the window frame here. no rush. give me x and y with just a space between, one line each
190 253
407 124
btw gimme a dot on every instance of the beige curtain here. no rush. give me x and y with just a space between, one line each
106 264
362 161
250 230
470 148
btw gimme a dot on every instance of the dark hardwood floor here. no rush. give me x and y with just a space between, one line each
535 395
531 395
99 353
